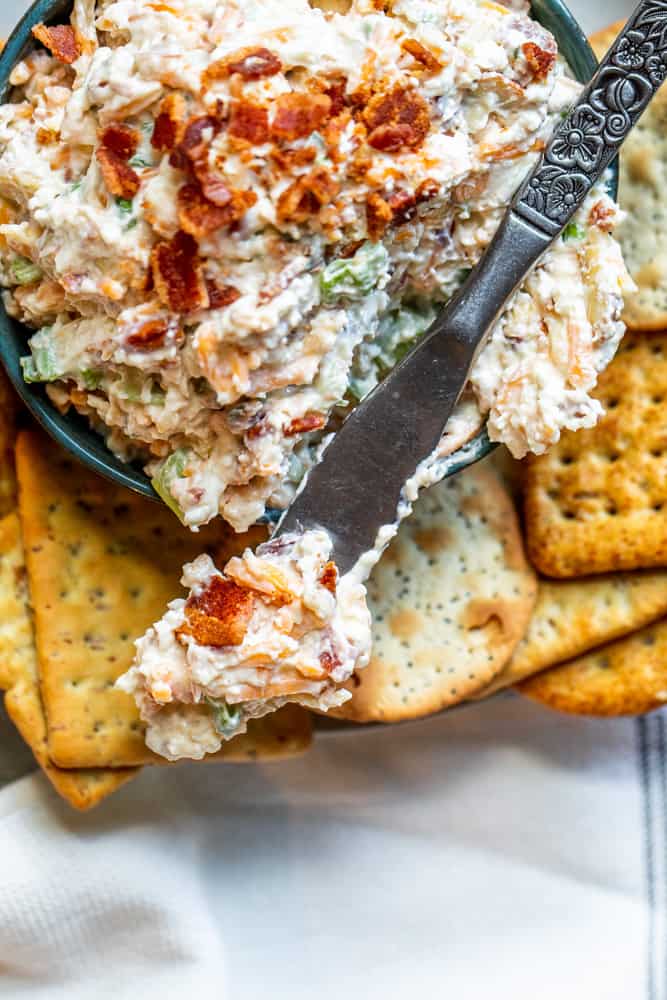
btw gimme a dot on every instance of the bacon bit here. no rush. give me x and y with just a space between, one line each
170 123
150 335
220 296
61 42
540 61
194 145
117 144
307 195
378 216
249 121
198 216
602 216
329 661
422 55
427 190
336 90
333 132
46 136
251 63
350 250
121 180
219 616
399 118
297 115
120 140
213 186
329 578
305 424
177 274
402 204
289 159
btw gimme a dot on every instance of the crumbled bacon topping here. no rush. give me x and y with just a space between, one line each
170 123
303 425
219 616
120 140
290 159
335 89
329 661
297 115
197 137
117 144
329 578
378 216
602 216
541 61
177 274
306 195
150 335
61 41
421 54
427 190
199 216
251 63
220 296
397 119
250 122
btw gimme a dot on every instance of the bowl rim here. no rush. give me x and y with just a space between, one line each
71 430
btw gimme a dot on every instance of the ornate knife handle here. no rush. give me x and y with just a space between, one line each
590 136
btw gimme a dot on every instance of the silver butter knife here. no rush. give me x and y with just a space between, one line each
357 486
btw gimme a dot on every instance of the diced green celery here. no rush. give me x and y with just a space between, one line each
170 470
25 272
42 366
226 717
91 378
573 231
356 276
125 205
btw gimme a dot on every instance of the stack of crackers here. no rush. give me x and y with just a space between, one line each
570 607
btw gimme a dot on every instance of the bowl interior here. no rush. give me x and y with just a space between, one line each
71 430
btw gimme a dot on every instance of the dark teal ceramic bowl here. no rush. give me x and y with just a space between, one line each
71 430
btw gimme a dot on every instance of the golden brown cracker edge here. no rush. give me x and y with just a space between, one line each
626 677
82 789
597 501
572 617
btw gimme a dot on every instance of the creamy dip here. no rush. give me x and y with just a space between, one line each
227 220
277 626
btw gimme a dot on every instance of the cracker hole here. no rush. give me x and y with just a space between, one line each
657 399
566 460
649 640
657 507
612 403
569 515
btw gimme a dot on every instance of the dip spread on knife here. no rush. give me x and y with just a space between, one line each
226 222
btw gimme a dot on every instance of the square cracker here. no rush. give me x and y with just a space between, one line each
572 617
597 502
83 789
102 566
627 677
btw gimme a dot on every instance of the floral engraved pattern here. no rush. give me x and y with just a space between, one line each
589 138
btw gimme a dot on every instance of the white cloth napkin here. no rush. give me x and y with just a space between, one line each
500 850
